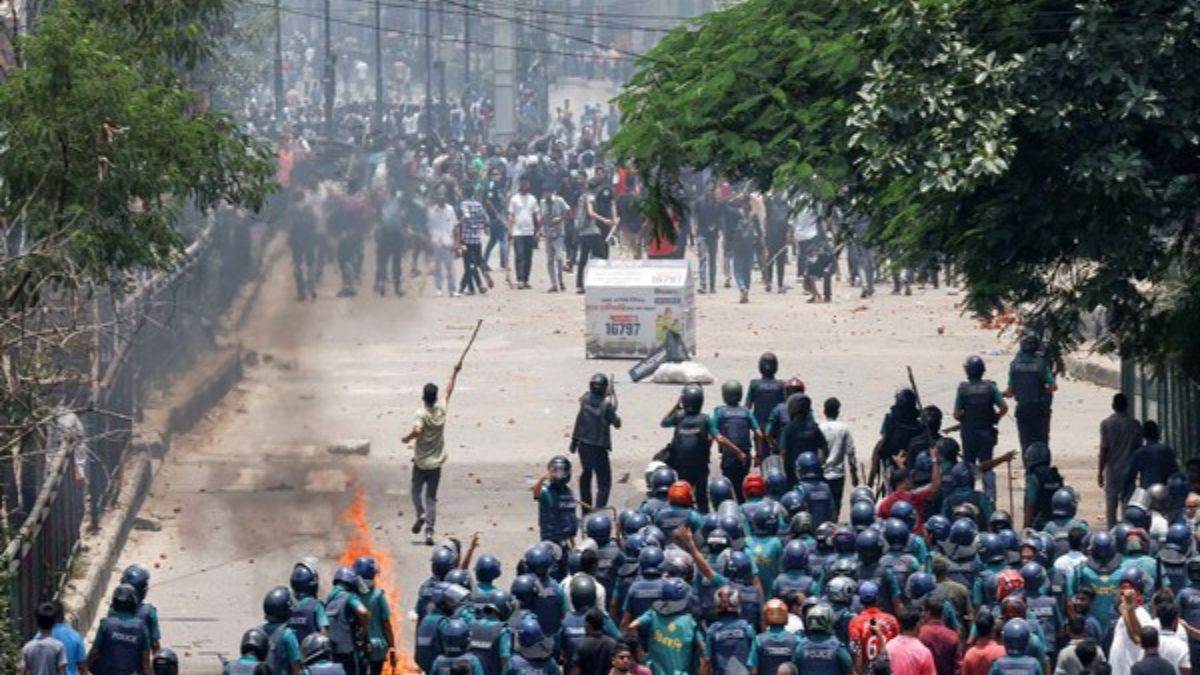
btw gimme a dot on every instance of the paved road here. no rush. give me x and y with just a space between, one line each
253 489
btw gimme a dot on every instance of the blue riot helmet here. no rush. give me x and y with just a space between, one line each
732 525
962 476
650 560
138 577
962 532
844 540
598 527
1009 540
947 449
919 585
1063 504
808 465
346 578
792 502
559 468
862 515
862 493
740 568
661 480
777 482
1001 520
1034 577
366 567
653 534
764 523
992 549
277 604
487 568
801 524
1103 548
1134 576
868 546
937 527
1179 537
1016 637
720 489
1037 454
636 521
868 593
525 589
443 561
676 597
532 642
904 511
460 577
256 643
795 556
841 590
317 647
538 561
895 533
304 579
974 367
692 399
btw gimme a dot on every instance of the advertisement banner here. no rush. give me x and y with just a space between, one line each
631 304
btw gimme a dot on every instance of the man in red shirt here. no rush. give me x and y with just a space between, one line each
902 489
942 642
870 630
906 654
979 657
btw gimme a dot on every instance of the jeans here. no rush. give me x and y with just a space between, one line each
424 494
388 252
472 263
743 261
554 259
523 245
497 234
443 266
595 461
304 261
776 261
350 254
590 246
864 261
708 262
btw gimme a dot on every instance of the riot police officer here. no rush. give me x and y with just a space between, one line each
820 652
254 648
558 521
139 577
308 612
317 652
1016 635
348 620
978 405
1031 382
592 439
735 428
122 643
691 443
765 392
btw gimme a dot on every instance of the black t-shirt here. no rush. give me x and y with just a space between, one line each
1152 664
627 209
604 201
593 656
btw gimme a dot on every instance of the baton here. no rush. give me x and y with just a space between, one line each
470 342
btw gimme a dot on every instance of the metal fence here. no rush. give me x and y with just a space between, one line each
1172 400
139 339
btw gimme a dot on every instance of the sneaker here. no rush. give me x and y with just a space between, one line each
579 291
745 298
702 291
416 528
552 289
429 539
728 283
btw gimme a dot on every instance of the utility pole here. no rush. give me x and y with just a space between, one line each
330 78
428 70
278 62
441 53
467 51
378 64
503 55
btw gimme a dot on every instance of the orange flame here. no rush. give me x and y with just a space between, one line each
362 543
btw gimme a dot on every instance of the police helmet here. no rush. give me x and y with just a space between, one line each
1134 576
632 546
947 449
776 482
795 556
680 494
862 493
992 549
525 588
1179 537
792 502
727 600
868 546
304 579
1063 504
636 521
598 385
277 604
801 524
442 561
531 640
661 481
692 398
1103 548
1008 539
962 532
841 590
868 593
165 663
974 367
768 364
455 637
138 577
895 533
676 596
754 485
1000 520
819 619
650 560
1030 342
453 596
317 647
937 527
764 522
348 579
962 476
582 592
740 568
559 468
1037 454
654 536
904 510
919 585
731 392
256 643
487 568
732 526
538 561
1193 569
825 536
720 489
598 527
1136 516
1016 637
844 567
1034 577
862 515
366 567
1160 499
808 465
844 540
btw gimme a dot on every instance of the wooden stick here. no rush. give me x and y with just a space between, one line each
469 343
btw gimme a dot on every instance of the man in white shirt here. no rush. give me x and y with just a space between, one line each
442 222
523 216
1126 646
841 453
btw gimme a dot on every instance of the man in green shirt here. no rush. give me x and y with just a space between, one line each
429 454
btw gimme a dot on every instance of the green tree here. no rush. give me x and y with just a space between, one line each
1047 149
